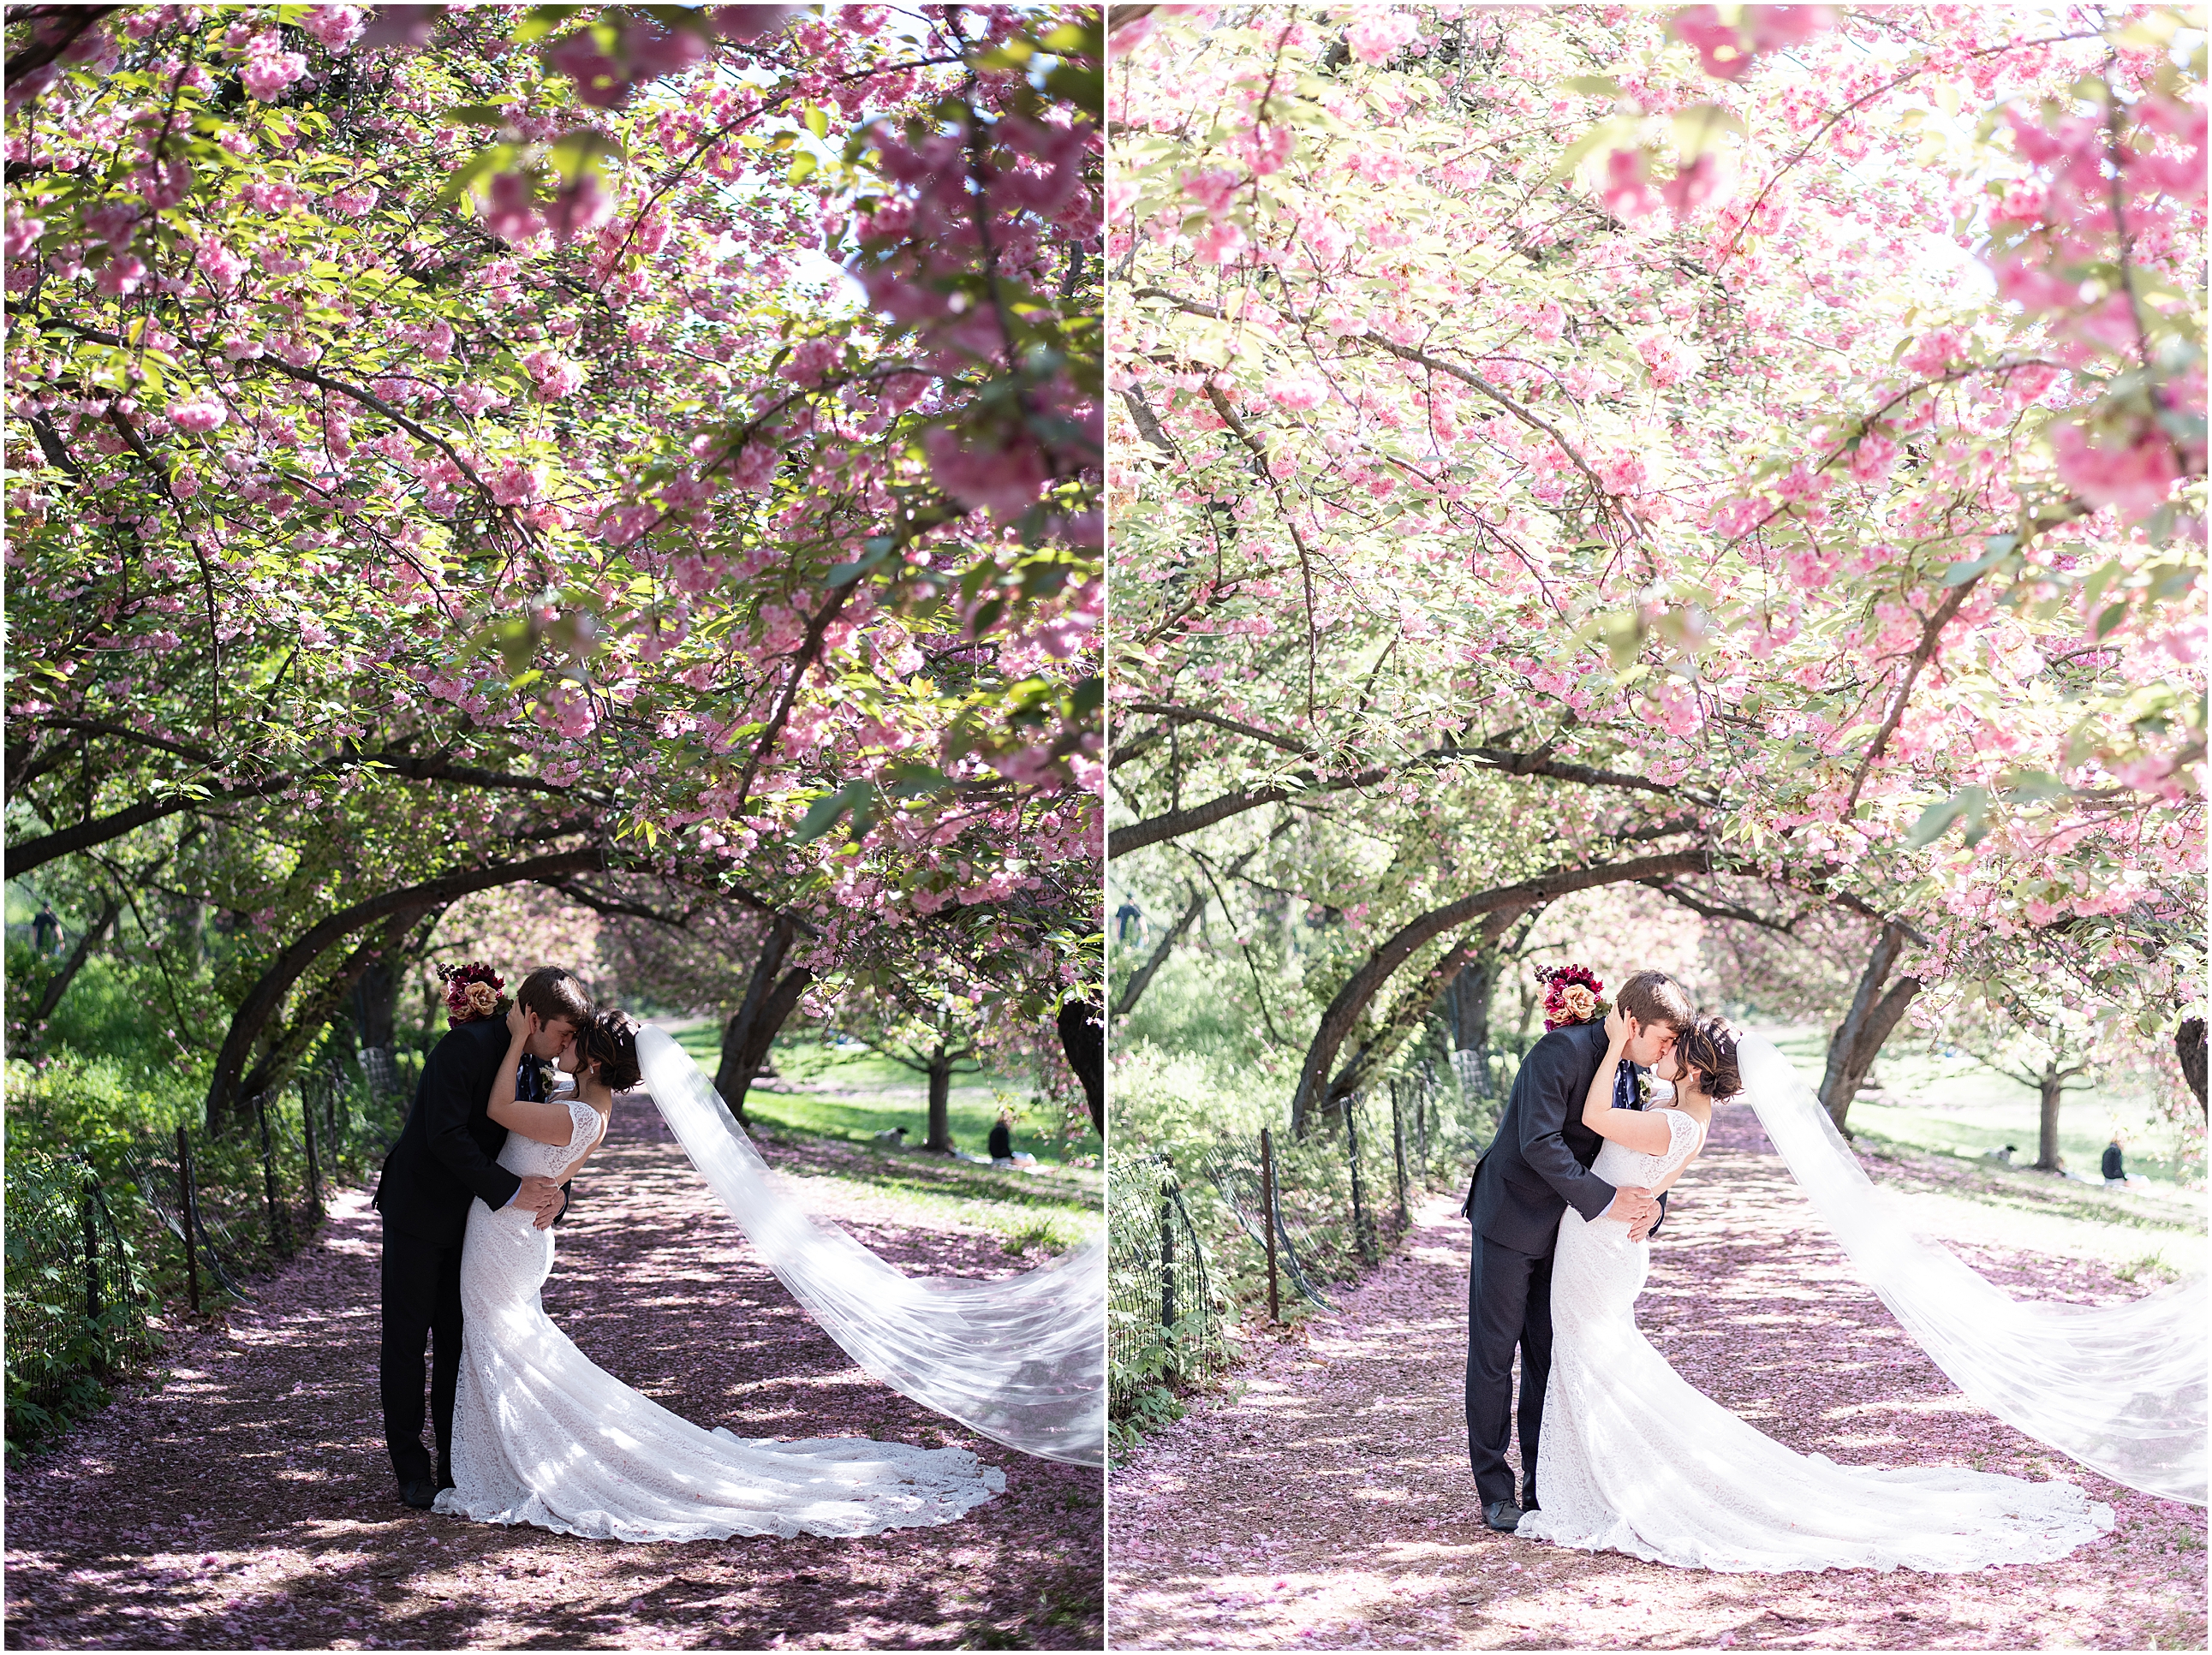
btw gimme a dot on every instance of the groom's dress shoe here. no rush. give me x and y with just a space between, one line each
419 1494
1501 1515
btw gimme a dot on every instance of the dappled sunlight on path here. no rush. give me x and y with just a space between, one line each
1323 1499
248 1502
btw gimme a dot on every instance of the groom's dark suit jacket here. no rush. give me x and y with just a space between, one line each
448 1150
1539 1163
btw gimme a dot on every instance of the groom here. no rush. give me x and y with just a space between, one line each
447 1156
1537 1167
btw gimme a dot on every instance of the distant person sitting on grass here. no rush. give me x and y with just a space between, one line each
2116 1171
2003 1156
1002 1143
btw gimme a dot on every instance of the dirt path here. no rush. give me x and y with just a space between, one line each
248 1502
1323 1501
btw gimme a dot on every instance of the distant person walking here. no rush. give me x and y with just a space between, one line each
2115 1171
47 931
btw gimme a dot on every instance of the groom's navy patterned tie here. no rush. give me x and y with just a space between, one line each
1624 1086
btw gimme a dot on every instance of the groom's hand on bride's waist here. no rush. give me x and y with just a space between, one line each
1634 1206
541 1196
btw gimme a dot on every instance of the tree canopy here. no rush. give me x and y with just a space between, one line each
1553 441
446 437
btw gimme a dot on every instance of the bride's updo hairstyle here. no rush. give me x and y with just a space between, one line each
1708 1045
608 1039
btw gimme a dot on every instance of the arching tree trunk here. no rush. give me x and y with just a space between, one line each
2189 1046
1134 990
266 997
1874 1013
1415 1004
1342 1018
1083 1038
50 997
286 1046
940 1103
752 1028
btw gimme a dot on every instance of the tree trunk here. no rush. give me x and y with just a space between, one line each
2051 1084
1874 1013
1344 1011
769 1001
50 998
1083 1038
376 1006
286 1046
1468 1002
188 928
264 998
1134 990
940 1103
2189 1046
1415 1004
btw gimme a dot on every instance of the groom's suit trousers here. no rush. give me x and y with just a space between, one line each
1509 1303
422 1303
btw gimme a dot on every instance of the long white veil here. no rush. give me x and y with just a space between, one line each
1021 1360
2119 1387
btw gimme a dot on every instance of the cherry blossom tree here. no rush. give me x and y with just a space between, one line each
1585 444
661 440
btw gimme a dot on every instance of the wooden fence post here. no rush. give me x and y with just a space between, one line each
1398 1149
1167 1247
314 1173
1362 1233
184 1194
90 1218
1267 1218
279 1224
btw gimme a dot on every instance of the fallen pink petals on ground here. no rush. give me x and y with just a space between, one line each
1322 1499
248 1503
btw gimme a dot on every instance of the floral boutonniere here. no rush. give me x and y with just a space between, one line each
471 993
1644 1092
1573 995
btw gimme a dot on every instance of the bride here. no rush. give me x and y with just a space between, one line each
1637 1460
541 1436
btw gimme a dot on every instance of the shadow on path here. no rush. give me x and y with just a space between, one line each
1323 1499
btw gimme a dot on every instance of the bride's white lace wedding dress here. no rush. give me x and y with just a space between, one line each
542 1436
1633 1459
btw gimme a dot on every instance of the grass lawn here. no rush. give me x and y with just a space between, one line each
1952 1104
855 1094
836 1101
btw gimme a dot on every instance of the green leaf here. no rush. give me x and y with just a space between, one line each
873 551
1610 134
1593 86
1700 128
803 166
1971 803
1997 549
829 809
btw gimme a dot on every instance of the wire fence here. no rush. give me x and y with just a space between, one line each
1259 1227
102 1240
1164 1313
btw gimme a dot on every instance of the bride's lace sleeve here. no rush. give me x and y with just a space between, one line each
583 1124
1683 1135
